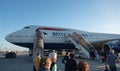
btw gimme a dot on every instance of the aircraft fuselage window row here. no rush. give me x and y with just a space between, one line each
56 35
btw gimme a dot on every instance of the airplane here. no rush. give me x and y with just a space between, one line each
54 38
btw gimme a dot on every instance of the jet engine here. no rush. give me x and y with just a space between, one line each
111 45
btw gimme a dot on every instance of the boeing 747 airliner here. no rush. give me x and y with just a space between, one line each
54 38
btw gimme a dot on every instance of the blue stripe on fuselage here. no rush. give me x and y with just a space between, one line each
49 45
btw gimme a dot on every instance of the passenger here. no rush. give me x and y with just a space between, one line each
104 57
71 64
92 54
53 57
111 60
45 64
36 62
66 57
83 66
97 55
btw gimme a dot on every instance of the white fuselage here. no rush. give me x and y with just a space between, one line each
55 35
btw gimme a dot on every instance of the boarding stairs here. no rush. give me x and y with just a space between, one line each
80 43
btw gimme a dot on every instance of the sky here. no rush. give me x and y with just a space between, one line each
101 16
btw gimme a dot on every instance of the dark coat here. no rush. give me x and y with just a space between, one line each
44 69
71 65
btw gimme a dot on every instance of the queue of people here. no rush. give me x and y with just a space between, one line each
48 63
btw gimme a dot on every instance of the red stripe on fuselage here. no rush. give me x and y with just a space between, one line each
53 29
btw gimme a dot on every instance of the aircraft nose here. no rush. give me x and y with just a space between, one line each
7 38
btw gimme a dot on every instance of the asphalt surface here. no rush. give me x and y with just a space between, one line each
24 63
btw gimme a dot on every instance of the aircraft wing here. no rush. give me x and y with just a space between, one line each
98 45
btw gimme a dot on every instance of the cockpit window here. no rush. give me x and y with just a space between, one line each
26 27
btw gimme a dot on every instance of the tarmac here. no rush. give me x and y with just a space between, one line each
24 63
